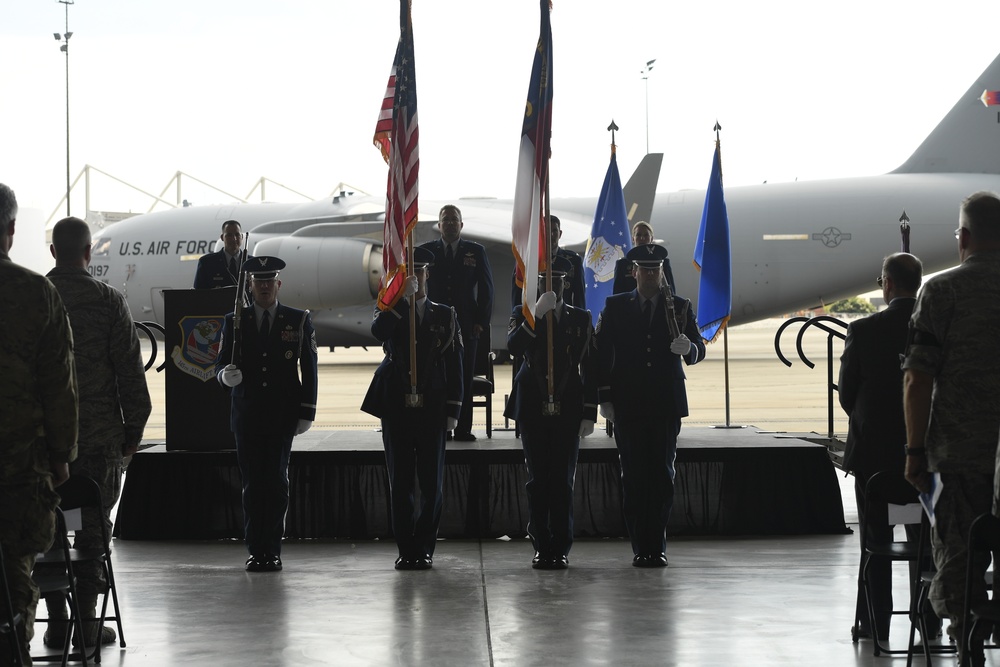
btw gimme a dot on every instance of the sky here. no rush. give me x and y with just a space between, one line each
228 92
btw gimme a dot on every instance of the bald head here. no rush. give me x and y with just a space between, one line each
71 242
905 271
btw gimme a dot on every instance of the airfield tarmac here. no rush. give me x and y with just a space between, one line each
763 392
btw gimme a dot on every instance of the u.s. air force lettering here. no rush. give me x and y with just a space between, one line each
166 247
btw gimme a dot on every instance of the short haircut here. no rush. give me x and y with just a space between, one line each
452 207
905 270
231 222
70 238
8 207
981 214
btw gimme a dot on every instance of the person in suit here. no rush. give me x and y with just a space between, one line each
222 268
413 430
871 393
270 404
570 263
462 278
551 431
642 336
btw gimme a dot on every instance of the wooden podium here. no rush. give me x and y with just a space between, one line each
197 406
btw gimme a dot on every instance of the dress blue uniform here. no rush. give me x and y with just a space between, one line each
266 408
464 282
414 437
551 442
214 271
644 381
574 290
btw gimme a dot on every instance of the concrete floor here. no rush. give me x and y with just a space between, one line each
753 601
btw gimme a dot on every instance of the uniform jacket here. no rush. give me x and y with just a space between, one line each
38 408
213 271
574 365
439 361
639 373
271 397
114 399
574 292
465 283
871 389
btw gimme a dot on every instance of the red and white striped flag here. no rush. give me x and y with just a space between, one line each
396 135
528 227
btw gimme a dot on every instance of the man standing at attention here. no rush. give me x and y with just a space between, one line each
642 336
270 404
951 398
114 406
38 422
222 269
462 278
413 429
871 393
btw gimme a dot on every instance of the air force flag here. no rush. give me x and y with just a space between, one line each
609 240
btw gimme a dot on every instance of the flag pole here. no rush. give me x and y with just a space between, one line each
413 324
549 317
725 327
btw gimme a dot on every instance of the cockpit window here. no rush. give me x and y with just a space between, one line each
100 247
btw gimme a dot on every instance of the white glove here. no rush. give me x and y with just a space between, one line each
545 303
231 376
450 423
607 410
586 427
304 425
410 288
681 345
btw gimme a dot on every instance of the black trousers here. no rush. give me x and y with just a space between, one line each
647 447
468 370
414 454
263 460
551 445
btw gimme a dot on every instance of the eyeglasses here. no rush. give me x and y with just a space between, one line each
878 281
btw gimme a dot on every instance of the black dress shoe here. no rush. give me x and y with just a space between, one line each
255 564
424 563
404 563
465 437
560 563
658 560
536 560
272 564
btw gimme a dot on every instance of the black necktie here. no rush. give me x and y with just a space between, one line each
232 267
265 325
448 254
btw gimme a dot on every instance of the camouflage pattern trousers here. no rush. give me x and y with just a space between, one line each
963 498
27 526
105 469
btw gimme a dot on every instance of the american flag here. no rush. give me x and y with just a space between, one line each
528 227
396 135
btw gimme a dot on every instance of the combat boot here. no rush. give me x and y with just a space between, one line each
56 634
88 610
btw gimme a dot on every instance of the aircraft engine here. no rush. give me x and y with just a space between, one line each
323 272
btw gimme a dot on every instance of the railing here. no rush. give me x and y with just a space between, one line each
147 329
834 328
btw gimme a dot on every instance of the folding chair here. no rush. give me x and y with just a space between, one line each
984 535
920 585
884 489
9 620
482 379
83 492
60 580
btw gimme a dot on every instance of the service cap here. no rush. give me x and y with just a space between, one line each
647 256
422 257
263 268
561 268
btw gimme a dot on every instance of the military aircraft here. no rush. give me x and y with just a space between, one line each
794 245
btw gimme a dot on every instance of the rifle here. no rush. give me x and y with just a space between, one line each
668 302
241 288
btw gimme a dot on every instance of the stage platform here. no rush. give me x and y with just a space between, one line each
729 482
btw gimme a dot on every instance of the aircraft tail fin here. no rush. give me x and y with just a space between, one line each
640 191
967 140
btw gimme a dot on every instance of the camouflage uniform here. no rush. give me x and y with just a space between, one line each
38 425
114 400
954 338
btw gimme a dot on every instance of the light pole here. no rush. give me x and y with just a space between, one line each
645 77
64 38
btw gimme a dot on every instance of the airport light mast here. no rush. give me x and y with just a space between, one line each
64 38
645 77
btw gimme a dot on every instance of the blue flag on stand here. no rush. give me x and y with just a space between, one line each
713 257
610 239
